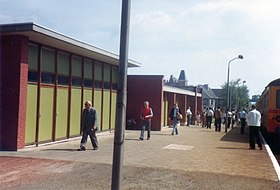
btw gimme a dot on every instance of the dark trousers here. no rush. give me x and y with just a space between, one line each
242 123
93 138
254 134
218 122
208 122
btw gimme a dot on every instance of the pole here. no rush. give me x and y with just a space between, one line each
121 99
226 122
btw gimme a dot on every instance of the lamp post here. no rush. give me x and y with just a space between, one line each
228 106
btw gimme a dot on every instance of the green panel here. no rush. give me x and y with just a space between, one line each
33 57
31 111
115 74
61 113
46 114
106 110
113 112
75 113
98 71
87 95
48 60
76 66
107 72
97 105
63 64
88 69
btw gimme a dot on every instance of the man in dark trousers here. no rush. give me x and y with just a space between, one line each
89 126
242 116
254 122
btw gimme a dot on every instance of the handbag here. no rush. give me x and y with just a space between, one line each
179 116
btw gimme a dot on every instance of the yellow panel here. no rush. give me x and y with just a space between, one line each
61 113
31 110
87 95
75 113
166 112
114 107
162 113
46 114
106 110
97 105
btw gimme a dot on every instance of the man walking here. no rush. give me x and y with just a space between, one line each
89 126
146 117
254 122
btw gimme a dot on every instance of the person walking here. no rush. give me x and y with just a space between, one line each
218 119
254 122
146 117
189 116
209 116
89 126
173 115
242 116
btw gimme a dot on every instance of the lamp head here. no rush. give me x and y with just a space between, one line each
240 56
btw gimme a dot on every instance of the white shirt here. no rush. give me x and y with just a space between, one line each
254 118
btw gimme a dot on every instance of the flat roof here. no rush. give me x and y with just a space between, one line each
180 91
54 39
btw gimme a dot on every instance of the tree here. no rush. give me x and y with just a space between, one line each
239 95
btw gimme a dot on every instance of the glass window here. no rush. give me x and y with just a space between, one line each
63 68
98 71
87 69
278 99
48 78
98 84
33 57
32 76
33 63
88 83
77 71
48 66
107 71
107 85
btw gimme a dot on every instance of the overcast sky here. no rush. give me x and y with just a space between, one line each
167 36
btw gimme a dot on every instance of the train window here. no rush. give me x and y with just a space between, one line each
278 99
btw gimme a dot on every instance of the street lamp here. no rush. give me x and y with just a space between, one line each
238 57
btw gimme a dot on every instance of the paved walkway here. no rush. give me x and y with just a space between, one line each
195 149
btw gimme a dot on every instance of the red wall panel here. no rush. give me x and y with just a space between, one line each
142 88
14 59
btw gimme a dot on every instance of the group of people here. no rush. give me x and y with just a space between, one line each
89 124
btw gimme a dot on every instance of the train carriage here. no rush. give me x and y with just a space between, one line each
269 107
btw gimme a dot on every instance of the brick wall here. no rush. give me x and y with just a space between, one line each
14 59
141 88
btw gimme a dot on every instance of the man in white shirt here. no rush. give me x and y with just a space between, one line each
189 116
254 122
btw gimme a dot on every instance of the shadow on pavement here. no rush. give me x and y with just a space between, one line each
233 135
61 149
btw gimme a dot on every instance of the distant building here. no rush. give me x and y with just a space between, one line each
209 98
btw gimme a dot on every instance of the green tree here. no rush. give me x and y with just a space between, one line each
238 92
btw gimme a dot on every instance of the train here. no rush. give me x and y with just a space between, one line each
269 106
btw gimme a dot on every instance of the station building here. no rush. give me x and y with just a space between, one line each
46 77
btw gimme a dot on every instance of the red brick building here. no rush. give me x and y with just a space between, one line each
161 97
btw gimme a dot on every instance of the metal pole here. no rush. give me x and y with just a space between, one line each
226 122
121 99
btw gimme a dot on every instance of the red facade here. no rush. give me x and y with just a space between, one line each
14 72
142 88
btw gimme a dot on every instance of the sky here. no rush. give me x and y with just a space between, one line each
167 36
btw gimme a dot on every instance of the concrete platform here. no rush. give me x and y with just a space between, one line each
197 158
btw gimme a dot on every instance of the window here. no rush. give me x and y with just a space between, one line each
63 68
48 66
33 63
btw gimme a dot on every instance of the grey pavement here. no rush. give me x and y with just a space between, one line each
197 158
